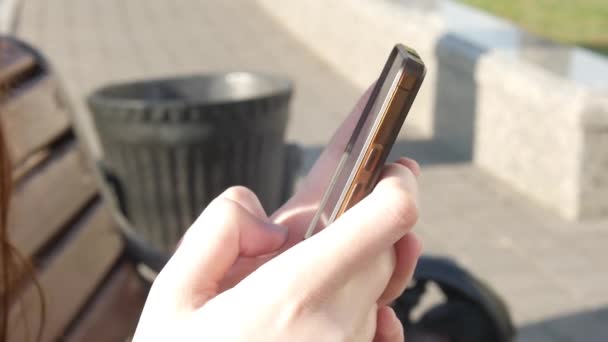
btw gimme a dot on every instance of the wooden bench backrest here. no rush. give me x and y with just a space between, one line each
56 218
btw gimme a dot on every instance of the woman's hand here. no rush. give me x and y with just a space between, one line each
331 287
322 286
298 212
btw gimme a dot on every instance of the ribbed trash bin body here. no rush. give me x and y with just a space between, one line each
172 145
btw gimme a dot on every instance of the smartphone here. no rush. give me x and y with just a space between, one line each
373 137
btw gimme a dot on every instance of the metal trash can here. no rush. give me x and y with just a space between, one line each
172 145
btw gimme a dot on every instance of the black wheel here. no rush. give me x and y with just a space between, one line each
469 312
458 321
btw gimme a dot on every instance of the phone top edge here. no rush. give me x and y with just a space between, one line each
408 52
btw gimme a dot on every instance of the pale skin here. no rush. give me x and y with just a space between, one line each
239 275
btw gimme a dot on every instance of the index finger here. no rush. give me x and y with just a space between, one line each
371 226
328 260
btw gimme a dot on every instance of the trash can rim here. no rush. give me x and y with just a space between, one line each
282 87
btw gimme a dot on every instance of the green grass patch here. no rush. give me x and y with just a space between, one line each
578 22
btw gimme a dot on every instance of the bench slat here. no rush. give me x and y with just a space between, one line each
70 278
57 217
49 198
14 60
114 312
33 117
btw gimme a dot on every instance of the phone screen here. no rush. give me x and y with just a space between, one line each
357 145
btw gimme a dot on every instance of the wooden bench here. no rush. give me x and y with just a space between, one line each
57 218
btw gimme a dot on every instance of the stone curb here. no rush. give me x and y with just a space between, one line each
8 15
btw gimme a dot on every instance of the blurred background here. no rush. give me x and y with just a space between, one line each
510 125
582 23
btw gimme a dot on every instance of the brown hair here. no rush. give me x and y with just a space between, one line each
5 247
12 264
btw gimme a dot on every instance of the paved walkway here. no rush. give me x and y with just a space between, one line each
552 273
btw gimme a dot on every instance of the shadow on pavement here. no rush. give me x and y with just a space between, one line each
588 326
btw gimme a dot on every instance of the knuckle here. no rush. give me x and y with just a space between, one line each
239 193
399 205
222 211
218 211
303 308
223 205
303 303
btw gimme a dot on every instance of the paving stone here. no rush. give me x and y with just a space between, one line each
538 333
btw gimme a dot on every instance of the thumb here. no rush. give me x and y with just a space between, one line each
388 326
223 232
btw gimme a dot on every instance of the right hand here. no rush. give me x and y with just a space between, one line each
331 287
